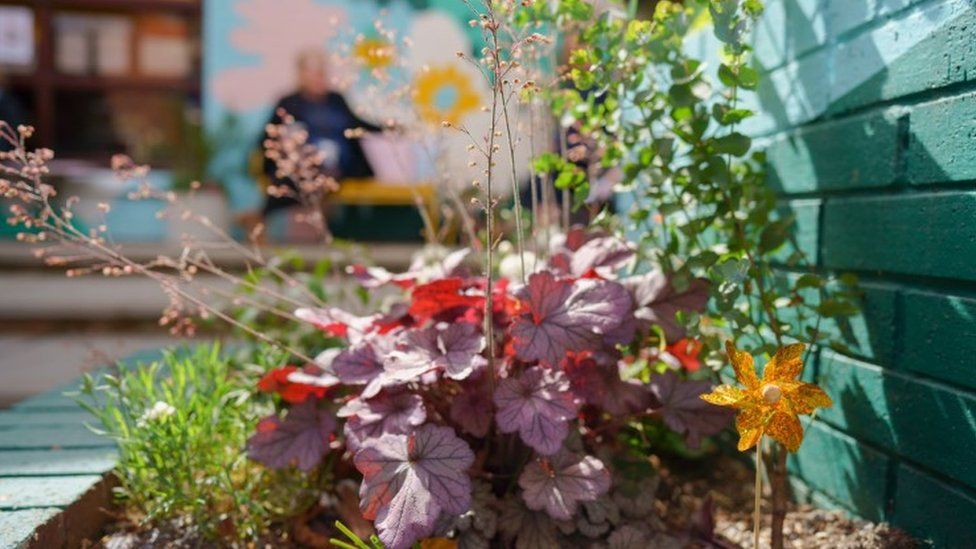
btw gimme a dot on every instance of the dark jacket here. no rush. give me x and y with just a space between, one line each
327 118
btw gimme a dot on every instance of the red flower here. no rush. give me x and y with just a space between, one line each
686 351
276 381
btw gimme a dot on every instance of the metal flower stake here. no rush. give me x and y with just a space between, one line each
770 405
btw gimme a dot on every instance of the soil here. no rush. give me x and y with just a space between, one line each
704 496
723 490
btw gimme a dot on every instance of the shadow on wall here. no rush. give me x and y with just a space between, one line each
883 191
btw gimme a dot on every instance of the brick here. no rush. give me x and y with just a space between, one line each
56 462
28 438
17 528
28 492
939 334
787 30
919 50
843 469
933 510
790 95
806 229
942 140
855 153
921 421
842 16
929 234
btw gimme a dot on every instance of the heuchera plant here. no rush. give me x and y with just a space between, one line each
445 440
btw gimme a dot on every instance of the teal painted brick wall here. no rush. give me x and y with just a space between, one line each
869 121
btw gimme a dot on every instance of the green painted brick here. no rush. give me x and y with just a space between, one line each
842 16
942 140
921 421
27 492
788 29
56 462
933 510
930 234
27 438
939 334
843 469
918 50
17 527
854 153
806 229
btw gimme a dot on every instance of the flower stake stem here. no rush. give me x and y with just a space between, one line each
770 405
756 520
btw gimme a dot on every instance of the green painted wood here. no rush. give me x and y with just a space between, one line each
854 475
17 527
921 421
56 462
40 438
853 153
41 418
42 492
942 139
939 337
930 234
933 510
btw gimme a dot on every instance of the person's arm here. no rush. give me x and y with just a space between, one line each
357 122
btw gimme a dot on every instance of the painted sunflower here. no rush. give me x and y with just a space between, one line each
374 53
444 94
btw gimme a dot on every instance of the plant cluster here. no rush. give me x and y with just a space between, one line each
180 424
512 436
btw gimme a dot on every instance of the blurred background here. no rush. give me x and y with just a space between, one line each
187 86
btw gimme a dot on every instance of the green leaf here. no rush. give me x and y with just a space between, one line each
808 280
734 143
837 308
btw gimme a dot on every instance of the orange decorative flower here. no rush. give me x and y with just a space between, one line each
771 405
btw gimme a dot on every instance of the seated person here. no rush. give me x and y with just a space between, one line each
325 115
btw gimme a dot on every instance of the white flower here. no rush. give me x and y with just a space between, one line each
510 266
160 410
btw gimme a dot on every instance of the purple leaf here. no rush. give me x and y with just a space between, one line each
559 483
562 315
595 377
454 348
357 365
301 439
602 256
409 480
684 411
539 405
658 302
387 413
472 408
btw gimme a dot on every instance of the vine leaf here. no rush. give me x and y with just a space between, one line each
539 405
683 410
409 480
301 439
561 315
559 483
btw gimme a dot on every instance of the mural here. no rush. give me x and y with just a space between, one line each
392 60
